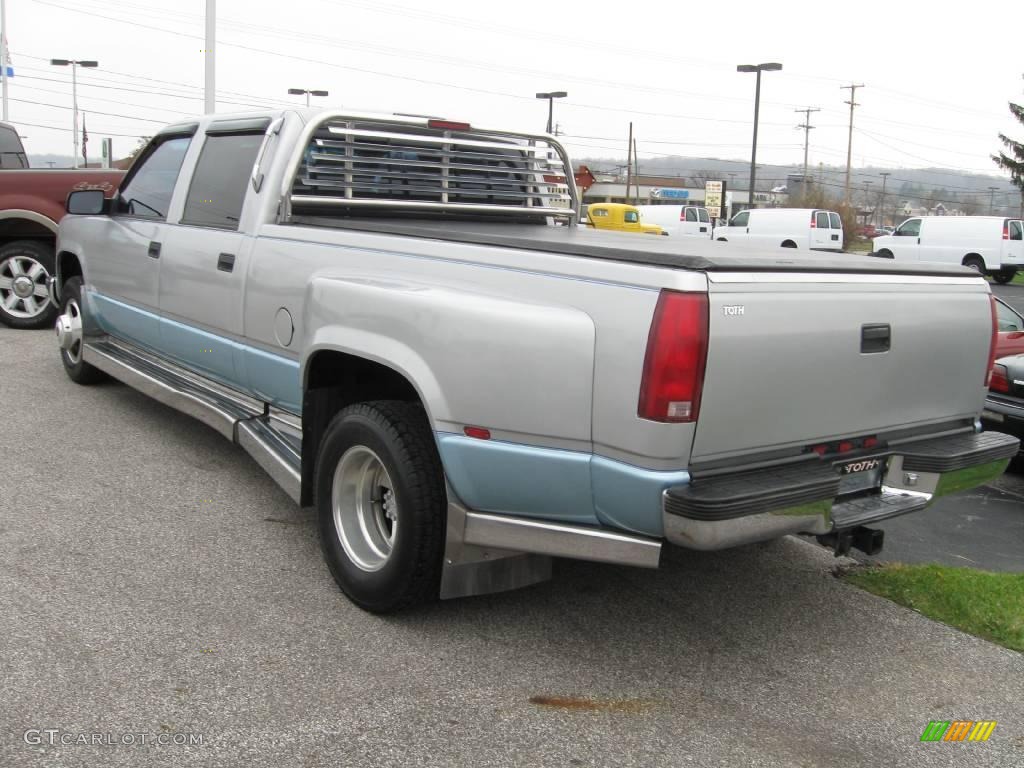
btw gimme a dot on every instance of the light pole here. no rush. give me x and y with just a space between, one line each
74 64
551 102
881 206
300 91
758 68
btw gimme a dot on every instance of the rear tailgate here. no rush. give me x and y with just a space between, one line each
796 359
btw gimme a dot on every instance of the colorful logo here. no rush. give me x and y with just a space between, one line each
958 730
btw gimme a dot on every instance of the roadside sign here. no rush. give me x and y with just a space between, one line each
670 193
713 198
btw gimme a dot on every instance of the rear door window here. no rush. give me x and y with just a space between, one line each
703 212
821 220
691 214
837 223
220 180
1016 230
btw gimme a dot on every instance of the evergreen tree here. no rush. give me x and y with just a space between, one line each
1013 159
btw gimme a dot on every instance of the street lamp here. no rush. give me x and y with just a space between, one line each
758 68
300 91
551 102
74 95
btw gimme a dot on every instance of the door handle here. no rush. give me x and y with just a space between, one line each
919 241
226 262
154 250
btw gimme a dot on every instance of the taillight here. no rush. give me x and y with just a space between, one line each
814 221
1000 380
677 349
994 340
1006 230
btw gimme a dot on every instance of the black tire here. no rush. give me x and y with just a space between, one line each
19 259
722 240
975 263
398 434
885 253
1003 276
75 366
788 244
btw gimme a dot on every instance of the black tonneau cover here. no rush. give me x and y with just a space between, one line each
681 252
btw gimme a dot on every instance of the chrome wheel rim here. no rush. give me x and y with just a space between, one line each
69 331
365 508
23 291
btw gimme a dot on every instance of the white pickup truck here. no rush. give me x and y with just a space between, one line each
400 320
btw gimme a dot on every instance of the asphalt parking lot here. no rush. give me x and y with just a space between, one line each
155 581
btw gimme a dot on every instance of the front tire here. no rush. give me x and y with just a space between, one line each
25 266
70 332
381 505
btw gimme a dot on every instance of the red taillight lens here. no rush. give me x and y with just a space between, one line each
1006 230
814 221
992 343
1000 380
677 350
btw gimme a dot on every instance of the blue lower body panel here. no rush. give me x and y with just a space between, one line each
552 484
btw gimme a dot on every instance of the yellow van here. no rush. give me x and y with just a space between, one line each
620 217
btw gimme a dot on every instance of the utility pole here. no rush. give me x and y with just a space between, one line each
3 52
806 125
992 200
629 163
210 99
849 142
636 172
881 206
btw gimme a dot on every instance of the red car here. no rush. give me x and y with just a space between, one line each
1010 340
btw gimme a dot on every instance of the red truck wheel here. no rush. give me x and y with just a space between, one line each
25 266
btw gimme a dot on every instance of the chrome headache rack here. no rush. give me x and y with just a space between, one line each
365 166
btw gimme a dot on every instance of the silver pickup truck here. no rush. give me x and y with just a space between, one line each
400 320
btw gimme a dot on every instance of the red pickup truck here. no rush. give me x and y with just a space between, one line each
31 205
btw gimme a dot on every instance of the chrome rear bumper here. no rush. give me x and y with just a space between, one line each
742 508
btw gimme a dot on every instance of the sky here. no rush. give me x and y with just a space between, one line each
936 83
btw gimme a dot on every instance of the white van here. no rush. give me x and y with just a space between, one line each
992 245
803 228
678 220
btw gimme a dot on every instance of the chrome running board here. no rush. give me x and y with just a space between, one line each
242 420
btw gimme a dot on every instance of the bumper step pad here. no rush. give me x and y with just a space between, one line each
958 452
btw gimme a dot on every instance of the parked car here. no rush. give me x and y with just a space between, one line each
1004 406
678 220
802 228
991 245
1010 338
620 217
867 232
31 205
401 336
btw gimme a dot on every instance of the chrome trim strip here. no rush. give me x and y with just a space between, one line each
205 410
560 540
282 471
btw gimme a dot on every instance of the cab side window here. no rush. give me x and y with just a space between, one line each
220 180
740 219
147 194
909 228
631 217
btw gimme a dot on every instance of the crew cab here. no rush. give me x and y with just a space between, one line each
401 321
31 205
